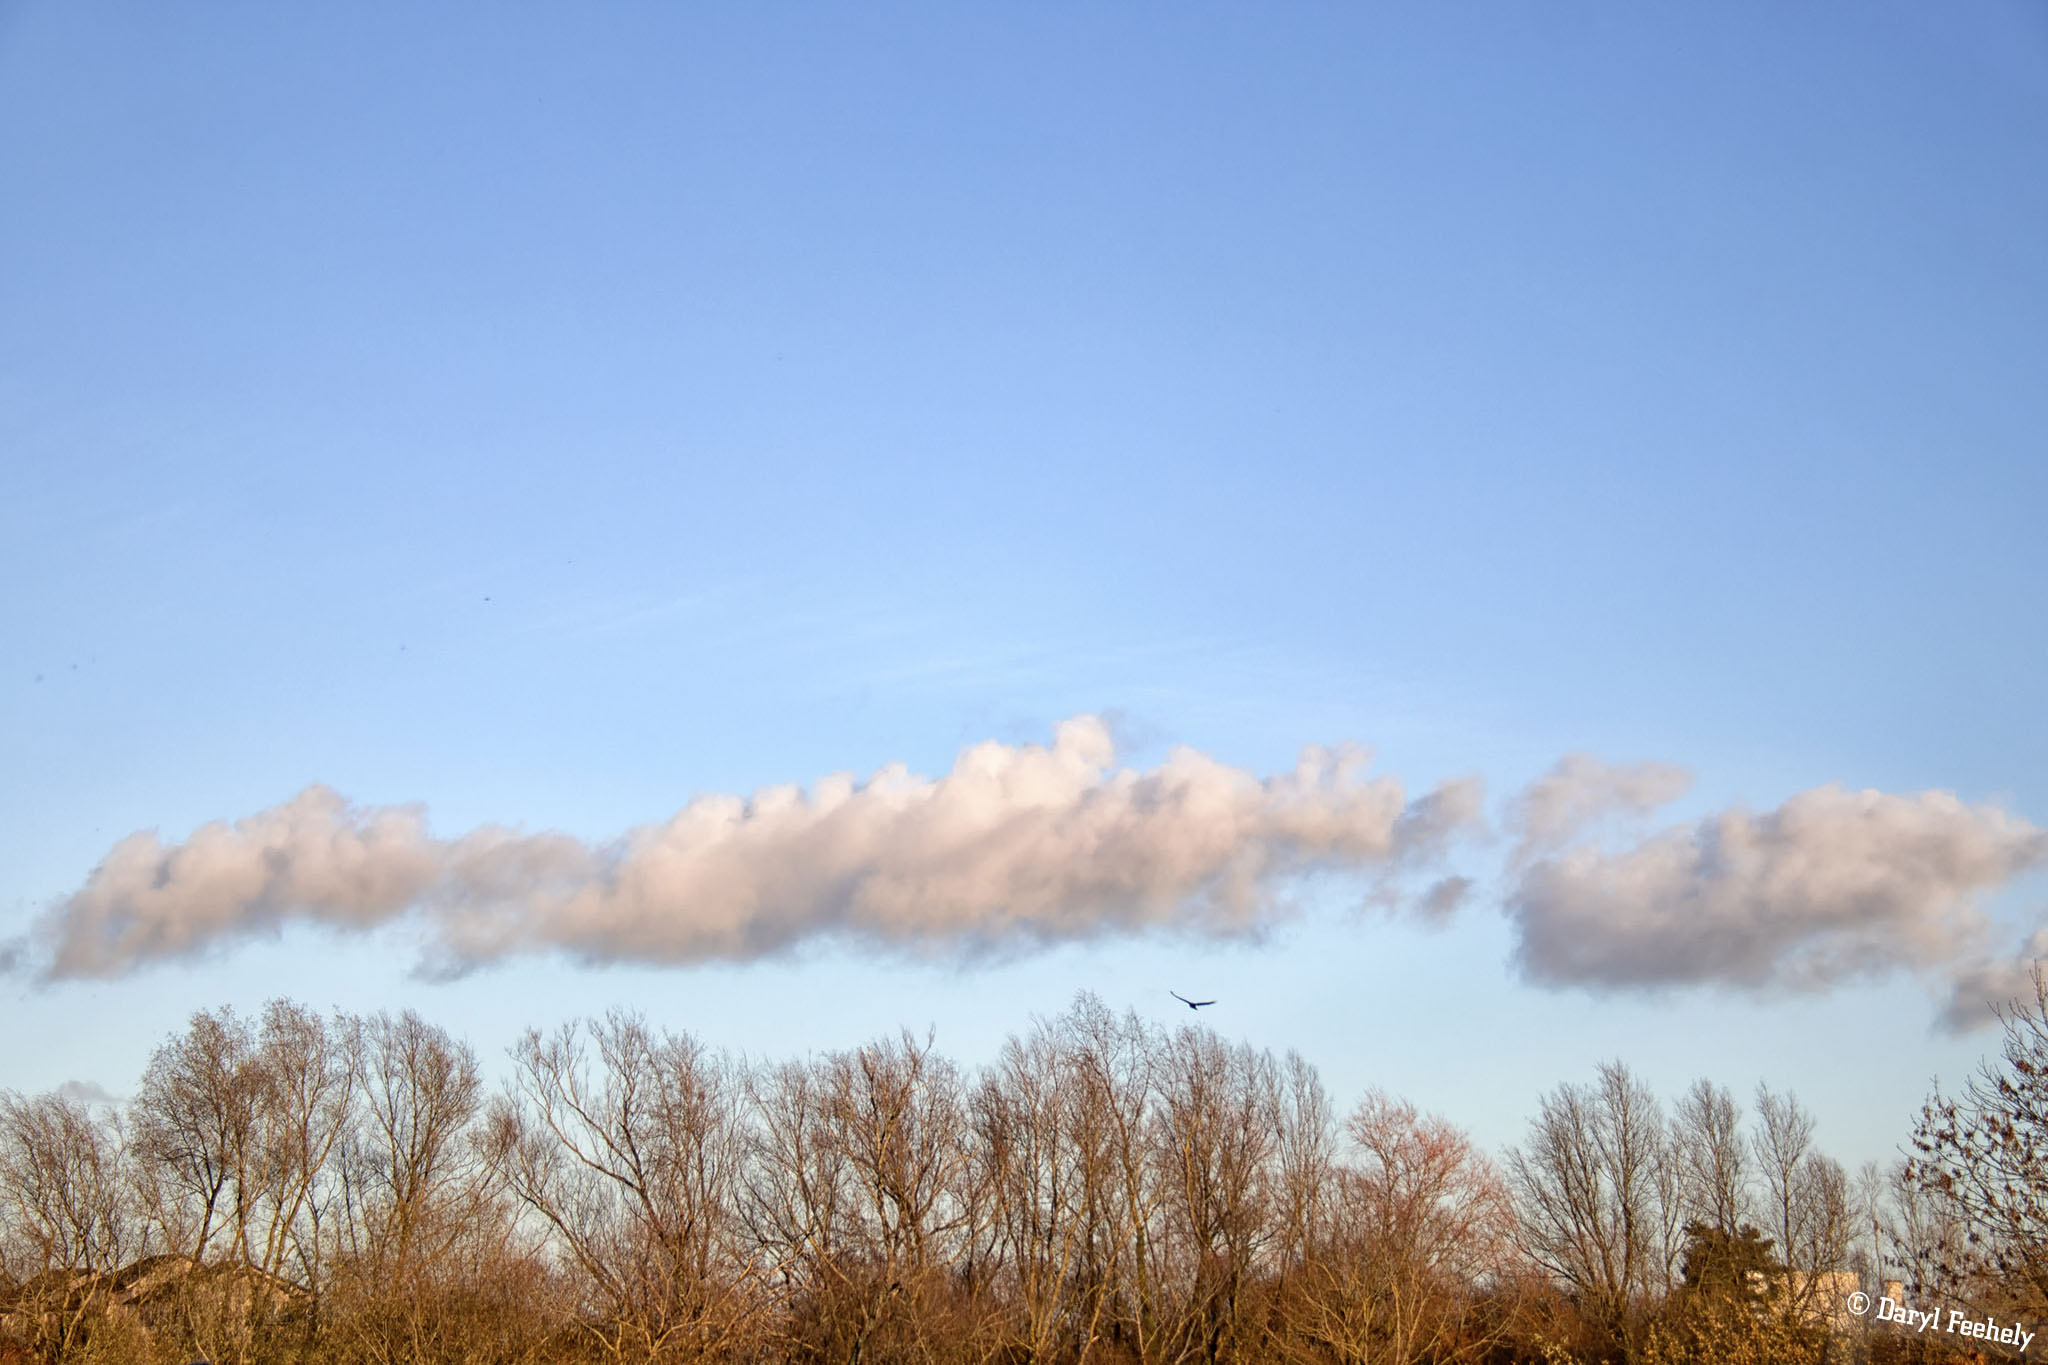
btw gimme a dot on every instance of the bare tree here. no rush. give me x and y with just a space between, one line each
1033 1145
1864 1251
1588 1182
305 1077
234 1125
1216 1145
632 1166
1711 1158
194 1119
421 1090
1806 1200
1420 1227
896 1111
1307 1153
1782 1141
1826 1222
67 1221
418 1201
794 1193
1117 1066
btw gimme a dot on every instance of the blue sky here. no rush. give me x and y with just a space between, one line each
550 416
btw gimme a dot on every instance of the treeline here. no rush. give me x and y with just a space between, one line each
309 1188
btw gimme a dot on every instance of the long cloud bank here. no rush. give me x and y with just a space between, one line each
1027 845
1016 846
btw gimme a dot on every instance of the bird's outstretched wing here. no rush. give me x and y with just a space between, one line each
1191 1004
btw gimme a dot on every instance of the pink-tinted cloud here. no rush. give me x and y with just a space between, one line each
1018 845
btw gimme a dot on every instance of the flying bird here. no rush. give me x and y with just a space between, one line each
1191 1004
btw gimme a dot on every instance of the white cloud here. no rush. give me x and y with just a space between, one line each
314 857
1980 987
1020 846
1833 886
87 1093
1016 846
1581 790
